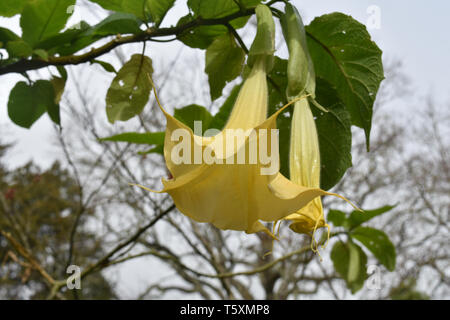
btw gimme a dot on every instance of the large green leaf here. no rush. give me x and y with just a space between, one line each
191 113
357 218
345 56
224 62
378 243
9 8
335 136
27 103
148 138
350 261
41 19
129 92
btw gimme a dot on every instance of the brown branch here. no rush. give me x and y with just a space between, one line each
34 64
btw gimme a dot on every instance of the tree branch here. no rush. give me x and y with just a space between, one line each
34 64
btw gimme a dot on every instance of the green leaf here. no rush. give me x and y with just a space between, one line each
19 49
378 243
117 23
346 57
350 261
191 113
113 5
336 217
158 9
105 65
148 138
9 8
218 8
335 136
300 68
357 218
221 117
264 43
129 92
224 62
28 103
41 19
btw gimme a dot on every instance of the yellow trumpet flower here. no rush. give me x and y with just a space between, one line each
209 186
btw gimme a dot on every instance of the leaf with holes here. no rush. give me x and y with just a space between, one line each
130 90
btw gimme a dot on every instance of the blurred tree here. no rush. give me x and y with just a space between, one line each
37 210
